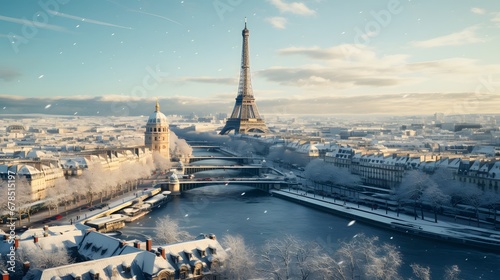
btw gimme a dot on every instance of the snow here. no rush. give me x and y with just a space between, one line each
426 228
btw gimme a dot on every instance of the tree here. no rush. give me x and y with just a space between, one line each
433 196
363 257
492 201
168 231
240 263
422 273
42 259
452 273
412 188
318 170
23 199
290 258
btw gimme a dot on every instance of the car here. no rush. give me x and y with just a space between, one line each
56 217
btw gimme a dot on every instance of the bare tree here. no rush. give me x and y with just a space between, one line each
422 273
452 273
23 199
320 171
44 258
363 257
433 196
240 263
291 258
492 201
412 188
168 231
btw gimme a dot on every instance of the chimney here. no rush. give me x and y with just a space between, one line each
212 236
163 252
149 244
45 228
35 238
5 275
123 243
16 242
137 244
26 267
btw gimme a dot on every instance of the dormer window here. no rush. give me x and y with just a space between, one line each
175 258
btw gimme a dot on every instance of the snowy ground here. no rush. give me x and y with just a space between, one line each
445 230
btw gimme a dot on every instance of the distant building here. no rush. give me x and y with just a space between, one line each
157 133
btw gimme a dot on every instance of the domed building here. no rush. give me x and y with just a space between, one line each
157 133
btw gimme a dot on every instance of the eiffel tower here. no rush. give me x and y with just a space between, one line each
245 117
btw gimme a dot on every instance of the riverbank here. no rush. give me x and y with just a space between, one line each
484 239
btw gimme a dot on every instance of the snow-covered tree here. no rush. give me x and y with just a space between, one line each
289 258
435 197
421 272
44 258
452 273
320 171
363 257
240 263
168 231
412 188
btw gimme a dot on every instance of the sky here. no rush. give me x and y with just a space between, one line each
306 57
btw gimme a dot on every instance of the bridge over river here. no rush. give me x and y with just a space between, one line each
186 185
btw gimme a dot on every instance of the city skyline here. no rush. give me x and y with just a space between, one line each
394 57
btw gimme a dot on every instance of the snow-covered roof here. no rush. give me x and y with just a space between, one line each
35 154
96 245
116 267
28 170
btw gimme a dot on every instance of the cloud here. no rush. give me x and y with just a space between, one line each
297 8
8 75
478 11
81 19
277 22
342 52
352 66
33 23
466 36
395 104
496 18
210 80
319 76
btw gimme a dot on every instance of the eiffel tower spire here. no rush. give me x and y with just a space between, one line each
245 117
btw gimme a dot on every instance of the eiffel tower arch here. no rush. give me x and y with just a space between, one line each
245 117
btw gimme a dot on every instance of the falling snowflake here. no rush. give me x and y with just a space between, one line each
248 219
265 211
186 215
351 223
243 193
391 237
77 25
4 108
75 113
41 76
48 106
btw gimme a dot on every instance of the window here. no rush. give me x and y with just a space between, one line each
197 271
